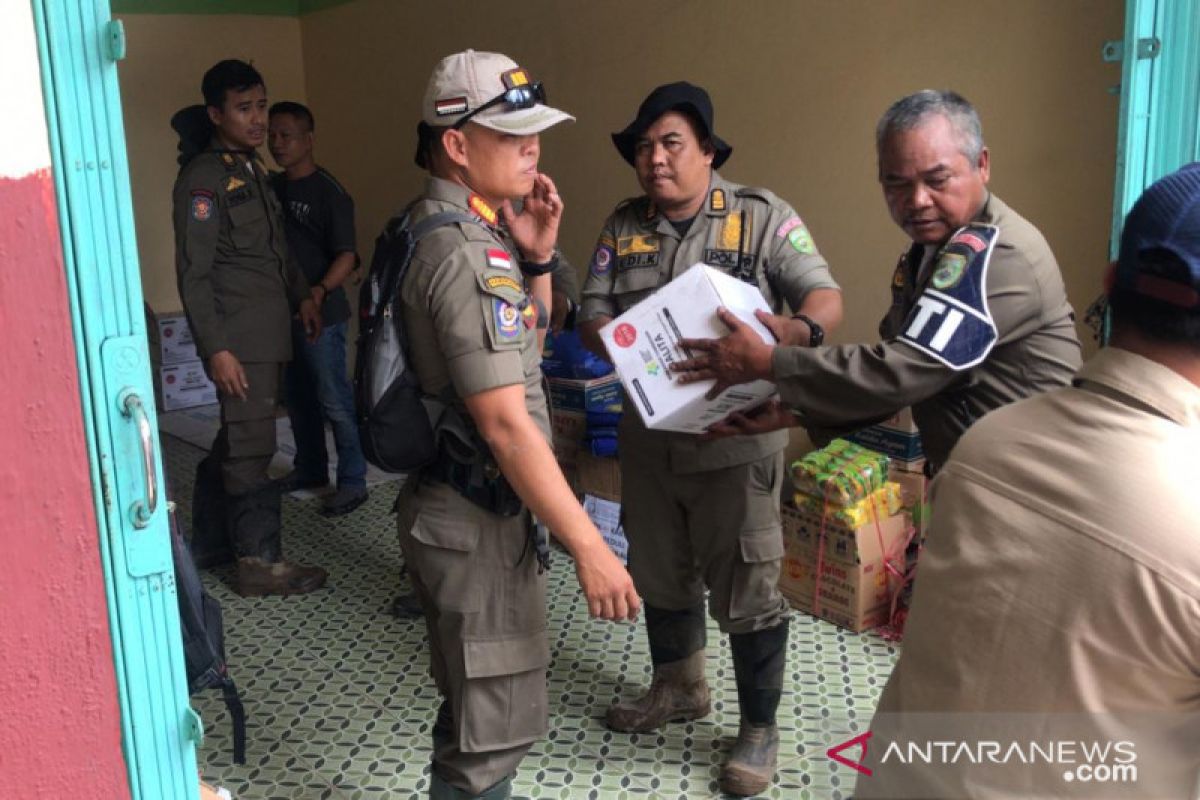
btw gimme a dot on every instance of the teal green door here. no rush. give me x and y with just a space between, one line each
1159 128
78 48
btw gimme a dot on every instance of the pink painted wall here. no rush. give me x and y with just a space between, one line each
59 719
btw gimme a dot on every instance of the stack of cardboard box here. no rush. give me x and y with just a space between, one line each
596 478
844 536
179 378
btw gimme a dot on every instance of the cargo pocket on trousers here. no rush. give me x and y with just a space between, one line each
504 696
445 557
756 574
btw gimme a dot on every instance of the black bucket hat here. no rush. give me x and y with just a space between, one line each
672 97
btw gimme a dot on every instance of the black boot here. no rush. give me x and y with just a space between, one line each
758 662
210 543
678 691
254 520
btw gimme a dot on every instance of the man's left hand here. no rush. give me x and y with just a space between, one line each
770 416
740 357
310 318
535 229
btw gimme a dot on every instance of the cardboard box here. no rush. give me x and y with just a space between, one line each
183 386
567 429
171 339
606 516
602 395
599 476
643 343
855 591
897 438
914 496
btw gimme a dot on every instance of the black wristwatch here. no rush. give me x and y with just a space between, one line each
816 334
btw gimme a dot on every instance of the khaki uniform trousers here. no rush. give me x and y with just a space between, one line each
718 529
485 607
245 443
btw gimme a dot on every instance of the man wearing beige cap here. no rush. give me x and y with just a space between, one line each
465 527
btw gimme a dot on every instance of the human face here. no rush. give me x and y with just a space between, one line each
672 166
241 121
930 187
498 166
289 140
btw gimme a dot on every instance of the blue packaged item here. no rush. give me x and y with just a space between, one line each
564 356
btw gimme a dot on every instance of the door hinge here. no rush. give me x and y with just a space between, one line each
1114 49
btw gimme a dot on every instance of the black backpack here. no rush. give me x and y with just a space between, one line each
204 638
397 422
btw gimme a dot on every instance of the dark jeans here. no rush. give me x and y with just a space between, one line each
318 390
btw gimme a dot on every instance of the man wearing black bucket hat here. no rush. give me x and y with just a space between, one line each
704 514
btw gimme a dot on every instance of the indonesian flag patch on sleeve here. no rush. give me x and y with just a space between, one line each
499 259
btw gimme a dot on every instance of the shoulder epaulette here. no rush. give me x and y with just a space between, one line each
765 195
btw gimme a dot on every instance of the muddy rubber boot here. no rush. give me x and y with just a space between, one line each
758 662
678 692
753 760
254 520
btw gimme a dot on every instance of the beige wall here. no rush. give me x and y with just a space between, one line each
167 56
797 86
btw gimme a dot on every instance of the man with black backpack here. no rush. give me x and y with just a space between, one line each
467 536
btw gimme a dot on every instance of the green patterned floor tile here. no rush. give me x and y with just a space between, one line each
340 701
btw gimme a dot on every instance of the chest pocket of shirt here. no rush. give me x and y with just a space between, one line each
248 223
631 286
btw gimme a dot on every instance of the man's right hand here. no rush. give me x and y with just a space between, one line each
227 374
606 584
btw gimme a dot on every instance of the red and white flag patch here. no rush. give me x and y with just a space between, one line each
499 259
451 105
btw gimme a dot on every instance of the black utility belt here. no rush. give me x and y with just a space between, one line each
482 484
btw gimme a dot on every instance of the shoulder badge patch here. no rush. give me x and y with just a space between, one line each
716 200
602 258
507 319
503 282
800 239
202 205
950 320
498 259
480 207
948 271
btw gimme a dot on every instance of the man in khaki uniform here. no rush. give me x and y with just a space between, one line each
703 514
1060 590
239 285
979 314
468 309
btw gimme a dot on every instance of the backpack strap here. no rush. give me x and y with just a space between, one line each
237 714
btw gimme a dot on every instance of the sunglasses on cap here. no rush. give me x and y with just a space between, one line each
526 95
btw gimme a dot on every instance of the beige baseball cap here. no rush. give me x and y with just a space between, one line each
463 83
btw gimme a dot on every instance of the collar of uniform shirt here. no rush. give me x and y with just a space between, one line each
1151 384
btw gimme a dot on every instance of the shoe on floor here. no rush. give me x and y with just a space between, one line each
343 501
407 606
294 481
257 577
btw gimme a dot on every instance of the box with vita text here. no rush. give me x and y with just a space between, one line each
643 344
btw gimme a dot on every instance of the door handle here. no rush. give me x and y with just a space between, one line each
132 407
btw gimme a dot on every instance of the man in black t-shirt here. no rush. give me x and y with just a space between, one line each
320 233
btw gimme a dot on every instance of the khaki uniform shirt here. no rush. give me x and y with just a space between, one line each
848 386
639 251
469 325
1062 574
237 281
